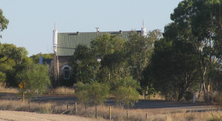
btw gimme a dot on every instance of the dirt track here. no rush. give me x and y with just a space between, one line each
27 116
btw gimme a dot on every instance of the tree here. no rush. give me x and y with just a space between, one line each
10 51
124 89
3 22
35 77
173 68
84 61
84 64
126 96
204 19
12 60
138 52
92 93
106 44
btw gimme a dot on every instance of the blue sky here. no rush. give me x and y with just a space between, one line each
31 22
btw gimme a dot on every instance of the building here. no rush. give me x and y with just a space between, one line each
64 45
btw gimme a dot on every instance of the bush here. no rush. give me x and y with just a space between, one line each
210 96
94 93
126 96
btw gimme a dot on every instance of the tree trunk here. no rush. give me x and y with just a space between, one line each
202 85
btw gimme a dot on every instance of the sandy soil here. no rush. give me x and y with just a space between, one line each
27 116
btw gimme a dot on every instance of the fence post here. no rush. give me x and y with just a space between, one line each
127 114
146 116
96 114
110 117
75 107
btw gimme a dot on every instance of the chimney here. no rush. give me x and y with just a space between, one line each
41 59
97 31
120 31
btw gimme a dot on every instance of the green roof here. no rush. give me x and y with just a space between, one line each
67 42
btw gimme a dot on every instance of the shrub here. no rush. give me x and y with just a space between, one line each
94 93
126 95
210 96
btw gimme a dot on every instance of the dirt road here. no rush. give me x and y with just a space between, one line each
27 116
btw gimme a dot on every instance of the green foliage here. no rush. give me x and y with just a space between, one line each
2 77
84 64
184 59
36 78
138 52
126 95
3 21
35 58
106 44
173 68
94 93
127 81
10 51
12 60
82 93
199 22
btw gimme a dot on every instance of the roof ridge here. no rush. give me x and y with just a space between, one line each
99 31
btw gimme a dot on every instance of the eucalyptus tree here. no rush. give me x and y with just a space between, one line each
138 52
13 60
173 68
203 18
113 63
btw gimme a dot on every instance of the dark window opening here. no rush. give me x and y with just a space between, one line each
66 73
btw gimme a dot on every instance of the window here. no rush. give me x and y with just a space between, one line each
66 72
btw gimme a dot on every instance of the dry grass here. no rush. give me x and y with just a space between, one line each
61 91
8 90
118 114
56 91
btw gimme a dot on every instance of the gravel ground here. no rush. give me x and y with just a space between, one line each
28 116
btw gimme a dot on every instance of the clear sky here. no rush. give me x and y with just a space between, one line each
31 22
